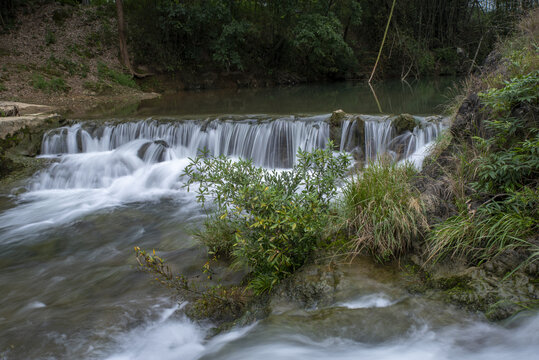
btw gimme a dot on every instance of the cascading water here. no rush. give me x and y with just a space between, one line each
73 293
269 143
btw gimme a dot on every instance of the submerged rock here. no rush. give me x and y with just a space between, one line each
158 150
311 286
490 288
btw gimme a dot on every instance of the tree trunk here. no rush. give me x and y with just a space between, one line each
124 54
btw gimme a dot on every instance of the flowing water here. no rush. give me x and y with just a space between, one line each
70 288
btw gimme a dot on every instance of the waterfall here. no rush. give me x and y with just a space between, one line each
150 154
269 143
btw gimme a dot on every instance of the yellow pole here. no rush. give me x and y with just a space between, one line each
383 41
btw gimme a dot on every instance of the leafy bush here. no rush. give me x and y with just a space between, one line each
383 211
319 46
67 65
273 220
512 160
229 49
521 89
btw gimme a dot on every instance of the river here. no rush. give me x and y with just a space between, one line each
70 286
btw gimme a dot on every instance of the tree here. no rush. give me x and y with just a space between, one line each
124 53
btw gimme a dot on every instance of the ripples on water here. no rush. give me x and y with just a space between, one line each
70 289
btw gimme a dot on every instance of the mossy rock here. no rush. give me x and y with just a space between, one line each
404 122
335 127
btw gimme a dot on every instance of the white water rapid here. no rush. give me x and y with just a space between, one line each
71 291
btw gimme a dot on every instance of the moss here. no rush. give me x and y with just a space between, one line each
404 122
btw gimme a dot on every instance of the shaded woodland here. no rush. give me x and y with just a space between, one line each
305 40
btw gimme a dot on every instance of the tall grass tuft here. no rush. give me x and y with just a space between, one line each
487 231
383 211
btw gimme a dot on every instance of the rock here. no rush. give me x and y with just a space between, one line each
404 122
159 151
335 127
9 110
313 285
469 119
485 288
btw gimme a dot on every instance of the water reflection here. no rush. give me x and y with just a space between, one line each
420 97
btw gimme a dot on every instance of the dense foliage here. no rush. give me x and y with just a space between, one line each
294 40
268 221
502 164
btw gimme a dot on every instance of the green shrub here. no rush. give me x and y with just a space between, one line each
120 78
512 151
56 84
273 220
2 87
59 16
383 212
521 89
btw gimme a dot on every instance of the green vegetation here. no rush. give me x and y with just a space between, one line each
71 67
498 201
383 211
99 87
489 230
216 302
105 73
50 38
315 38
55 84
269 222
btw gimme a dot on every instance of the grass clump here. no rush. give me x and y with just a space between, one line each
56 84
483 233
383 212
269 222
104 72
50 38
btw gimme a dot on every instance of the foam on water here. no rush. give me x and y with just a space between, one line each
368 301
173 339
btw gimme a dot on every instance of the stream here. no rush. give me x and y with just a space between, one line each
70 285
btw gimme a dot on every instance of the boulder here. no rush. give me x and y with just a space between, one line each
404 122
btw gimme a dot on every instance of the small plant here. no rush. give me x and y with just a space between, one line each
104 72
382 211
56 84
99 87
216 302
267 221
2 87
50 38
71 67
